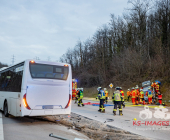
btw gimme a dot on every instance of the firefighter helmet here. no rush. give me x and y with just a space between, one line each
117 88
99 88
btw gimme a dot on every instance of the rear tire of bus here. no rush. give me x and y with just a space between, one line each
6 109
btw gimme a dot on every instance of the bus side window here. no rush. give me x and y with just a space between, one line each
11 81
2 81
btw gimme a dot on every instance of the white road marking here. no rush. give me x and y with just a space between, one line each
1 128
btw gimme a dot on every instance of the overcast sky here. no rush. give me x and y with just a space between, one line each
47 28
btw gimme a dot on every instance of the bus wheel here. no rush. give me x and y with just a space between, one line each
6 109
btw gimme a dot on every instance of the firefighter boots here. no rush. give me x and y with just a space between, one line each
120 113
103 111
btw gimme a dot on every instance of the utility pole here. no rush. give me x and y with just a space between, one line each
13 59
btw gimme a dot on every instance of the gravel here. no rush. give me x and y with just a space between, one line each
93 129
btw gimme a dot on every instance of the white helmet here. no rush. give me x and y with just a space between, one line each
99 88
105 89
141 89
129 89
81 89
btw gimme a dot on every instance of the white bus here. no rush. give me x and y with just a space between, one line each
36 88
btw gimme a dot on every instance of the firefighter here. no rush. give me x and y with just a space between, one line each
101 97
117 99
80 97
153 85
155 94
157 87
160 98
128 94
122 92
141 95
137 95
106 95
76 99
149 94
133 95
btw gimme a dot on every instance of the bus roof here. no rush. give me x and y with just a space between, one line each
4 69
11 67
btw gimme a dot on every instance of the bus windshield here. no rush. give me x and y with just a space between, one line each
44 71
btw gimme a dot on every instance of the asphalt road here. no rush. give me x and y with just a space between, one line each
126 122
27 128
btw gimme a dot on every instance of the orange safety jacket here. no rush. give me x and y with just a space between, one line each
137 93
128 93
141 94
122 93
133 94
106 93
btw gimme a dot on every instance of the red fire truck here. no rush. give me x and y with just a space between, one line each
74 87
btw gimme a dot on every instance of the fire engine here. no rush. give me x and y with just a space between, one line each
74 87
